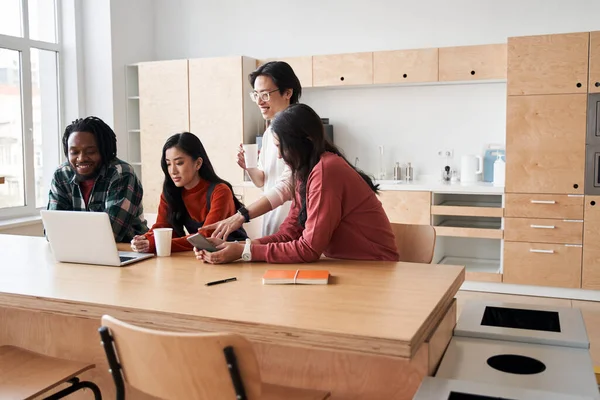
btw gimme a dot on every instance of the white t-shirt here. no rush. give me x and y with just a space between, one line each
277 187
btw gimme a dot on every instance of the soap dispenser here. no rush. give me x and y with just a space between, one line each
382 172
499 171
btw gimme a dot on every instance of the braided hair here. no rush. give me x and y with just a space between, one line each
106 139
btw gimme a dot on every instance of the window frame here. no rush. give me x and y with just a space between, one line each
24 45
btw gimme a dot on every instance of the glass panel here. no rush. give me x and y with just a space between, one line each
10 18
42 20
12 192
46 135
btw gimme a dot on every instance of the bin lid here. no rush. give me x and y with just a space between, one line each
517 322
450 389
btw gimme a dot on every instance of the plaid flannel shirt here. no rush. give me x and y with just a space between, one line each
117 191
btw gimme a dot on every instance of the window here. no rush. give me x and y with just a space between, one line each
29 104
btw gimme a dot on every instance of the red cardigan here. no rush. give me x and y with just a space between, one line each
345 220
221 207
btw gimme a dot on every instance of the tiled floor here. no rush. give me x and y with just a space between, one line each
590 310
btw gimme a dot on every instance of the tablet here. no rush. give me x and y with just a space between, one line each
201 243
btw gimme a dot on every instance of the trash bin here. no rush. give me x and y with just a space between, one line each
557 326
450 389
557 369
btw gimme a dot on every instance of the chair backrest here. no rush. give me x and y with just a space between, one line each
174 365
415 243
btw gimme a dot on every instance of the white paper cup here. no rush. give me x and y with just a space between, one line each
251 155
162 240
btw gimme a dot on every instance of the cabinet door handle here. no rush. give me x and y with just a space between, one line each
543 202
542 226
541 251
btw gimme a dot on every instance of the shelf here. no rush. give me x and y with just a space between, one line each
134 97
477 224
470 211
136 163
459 203
134 130
476 269
469 232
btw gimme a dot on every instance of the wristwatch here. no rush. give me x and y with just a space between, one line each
247 254
244 213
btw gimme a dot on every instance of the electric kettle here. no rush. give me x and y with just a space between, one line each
470 168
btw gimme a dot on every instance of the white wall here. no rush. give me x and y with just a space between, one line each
114 33
412 122
132 32
97 59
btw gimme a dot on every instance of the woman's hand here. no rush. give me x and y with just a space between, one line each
223 228
240 157
140 244
227 252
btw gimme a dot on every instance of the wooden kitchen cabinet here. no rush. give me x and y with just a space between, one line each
542 264
540 230
302 66
525 205
405 66
164 110
591 244
343 69
548 64
594 85
465 63
545 144
407 207
222 114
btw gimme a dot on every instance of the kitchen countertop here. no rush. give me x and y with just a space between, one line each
430 186
440 187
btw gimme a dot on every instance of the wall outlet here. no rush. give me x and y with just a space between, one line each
445 153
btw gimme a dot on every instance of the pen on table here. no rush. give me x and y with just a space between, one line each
221 281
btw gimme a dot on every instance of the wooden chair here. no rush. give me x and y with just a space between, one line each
25 374
194 366
415 243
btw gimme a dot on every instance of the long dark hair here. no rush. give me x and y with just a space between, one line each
302 142
192 146
283 77
105 137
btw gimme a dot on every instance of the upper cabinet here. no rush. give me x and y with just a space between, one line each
222 114
594 62
164 110
343 69
404 66
548 64
472 62
545 144
302 66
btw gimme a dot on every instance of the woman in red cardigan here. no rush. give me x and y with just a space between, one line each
335 211
193 195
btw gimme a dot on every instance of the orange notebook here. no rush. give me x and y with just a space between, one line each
295 277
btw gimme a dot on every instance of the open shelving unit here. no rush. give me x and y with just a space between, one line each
134 156
469 230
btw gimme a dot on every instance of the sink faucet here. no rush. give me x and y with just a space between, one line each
356 162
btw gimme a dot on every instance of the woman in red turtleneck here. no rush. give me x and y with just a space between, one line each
193 195
335 212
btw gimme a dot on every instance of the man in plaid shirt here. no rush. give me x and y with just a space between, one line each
94 179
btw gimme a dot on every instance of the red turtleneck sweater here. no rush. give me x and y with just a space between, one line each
221 207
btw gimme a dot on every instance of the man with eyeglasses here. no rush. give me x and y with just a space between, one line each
276 86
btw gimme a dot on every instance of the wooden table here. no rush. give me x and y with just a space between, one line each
372 333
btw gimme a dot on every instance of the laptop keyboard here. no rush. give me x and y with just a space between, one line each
124 258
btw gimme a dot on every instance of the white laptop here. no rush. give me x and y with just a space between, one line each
85 238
